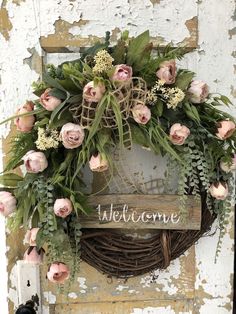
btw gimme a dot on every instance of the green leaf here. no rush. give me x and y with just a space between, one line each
183 79
58 109
104 102
58 93
119 52
10 180
30 113
139 50
40 238
52 82
118 115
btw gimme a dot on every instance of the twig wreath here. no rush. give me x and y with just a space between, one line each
88 108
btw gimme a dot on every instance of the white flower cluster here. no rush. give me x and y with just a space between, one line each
172 95
47 139
175 95
103 61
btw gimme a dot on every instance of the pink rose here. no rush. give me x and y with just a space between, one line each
141 114
49 102
93 93
225 129
167 71
219 190
35 162
72 135
98 163
63 207
228 167
25 123
32 255
30 236
58 272
7 203
198 91
122 73
179 133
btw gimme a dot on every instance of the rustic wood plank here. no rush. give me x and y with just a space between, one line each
137 211
144 306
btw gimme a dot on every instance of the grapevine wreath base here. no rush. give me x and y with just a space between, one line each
121 256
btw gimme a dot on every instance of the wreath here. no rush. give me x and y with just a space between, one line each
88 110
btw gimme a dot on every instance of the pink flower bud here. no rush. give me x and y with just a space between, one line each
32 255
198 91
225 129
7 203
35 162
30 236
219 190
49 102
25 123
167 72
63 207
98 163
141 114
72 135
58 272
179 133
93 93
122 73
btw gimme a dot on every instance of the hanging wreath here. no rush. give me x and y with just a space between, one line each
110 98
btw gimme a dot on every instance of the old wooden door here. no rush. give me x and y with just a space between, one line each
34 32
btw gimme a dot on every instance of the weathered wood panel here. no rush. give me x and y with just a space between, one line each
141 307
175 282
137 211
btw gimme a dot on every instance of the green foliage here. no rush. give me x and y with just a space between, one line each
139 51
183 79
10 180
20 145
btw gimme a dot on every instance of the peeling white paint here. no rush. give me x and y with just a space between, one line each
50 297
72 295
155 310
121 14
163 278
12 293
121 288
82 285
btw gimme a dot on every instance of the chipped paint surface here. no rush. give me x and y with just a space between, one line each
198 285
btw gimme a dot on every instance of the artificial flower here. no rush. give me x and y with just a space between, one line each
58 272
103 62
7 203
225 129
32 255
122 73
35 162
98 163
198 91
30 236
62 207
92 93
25 123
219 190
141 114
48 101
72 135
167 71
178 133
